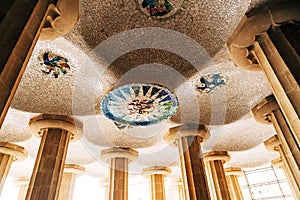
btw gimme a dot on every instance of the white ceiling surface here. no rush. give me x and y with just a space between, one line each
251 158
15 126
241 135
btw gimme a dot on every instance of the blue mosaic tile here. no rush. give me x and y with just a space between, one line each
157 8
139 104
208 83
54 64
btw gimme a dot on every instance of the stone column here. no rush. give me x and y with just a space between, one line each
232 175
179 186
18 39
23 183
17 43
273 144
8 153
118 159
268 40
68 181
216 174
188 138
104 184
56 132
157 176
268 112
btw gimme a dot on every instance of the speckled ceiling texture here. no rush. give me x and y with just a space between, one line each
207 22
177 65
15 127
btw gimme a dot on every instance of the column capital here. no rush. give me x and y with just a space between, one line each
22 180
263 109
233 171
74 169
44 121
255 23
18 152
118 152
156 170
185 130
103 182
272 144
277 163
217 155
177 182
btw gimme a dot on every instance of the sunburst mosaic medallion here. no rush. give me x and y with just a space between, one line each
139 104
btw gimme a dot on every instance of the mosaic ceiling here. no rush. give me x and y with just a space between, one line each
178 46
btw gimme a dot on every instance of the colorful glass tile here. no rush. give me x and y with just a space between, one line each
208 83
54 64
139 104
157 8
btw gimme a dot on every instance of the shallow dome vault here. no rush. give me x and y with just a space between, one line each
207 22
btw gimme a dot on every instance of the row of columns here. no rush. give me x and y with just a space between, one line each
51 177
47 181
155 174
274 50
269 112
203 174
118 158
268 39
71 171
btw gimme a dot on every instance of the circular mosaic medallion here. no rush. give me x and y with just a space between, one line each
139 104
208 83
53 64
160 8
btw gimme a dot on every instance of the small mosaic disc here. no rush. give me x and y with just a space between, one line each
139 104
53 64
160 8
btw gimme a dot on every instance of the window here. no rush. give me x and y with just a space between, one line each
265 183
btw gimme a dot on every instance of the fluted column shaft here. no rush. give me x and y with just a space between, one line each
46 177
17 43
268 39
290 147
5 164
215 160
233 183
274 144
71 171
177 183
118 159
157 175
192 166
279 163
104 184
21 25
22 183
180 192
56 132
157 182
279 61
8 153
67 186
118 179
188 138
268 111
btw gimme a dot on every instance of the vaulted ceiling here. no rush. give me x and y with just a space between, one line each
118 42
